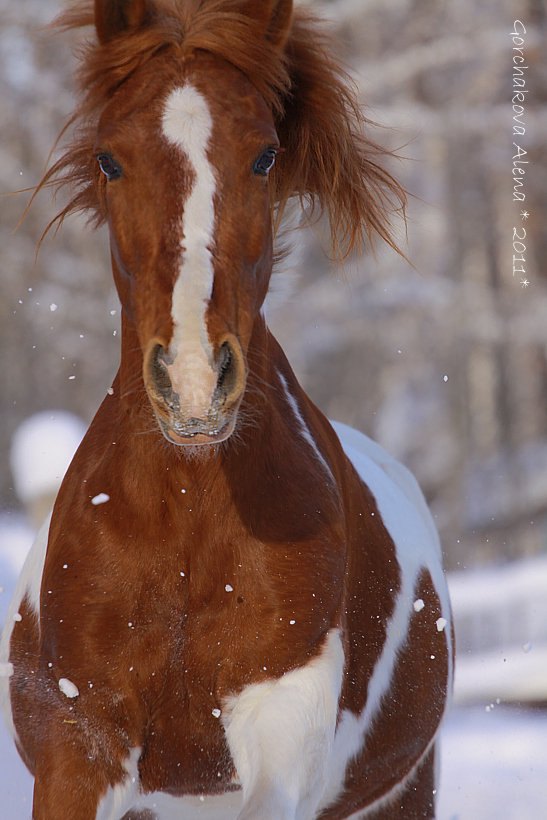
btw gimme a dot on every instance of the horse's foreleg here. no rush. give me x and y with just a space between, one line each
69 783
280 734
415 799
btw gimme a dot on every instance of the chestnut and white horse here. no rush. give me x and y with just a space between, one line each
237 609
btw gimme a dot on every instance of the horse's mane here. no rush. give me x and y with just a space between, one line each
328 161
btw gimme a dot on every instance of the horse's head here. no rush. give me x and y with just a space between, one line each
187 106
185 148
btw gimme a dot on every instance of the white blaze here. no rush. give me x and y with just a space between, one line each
304 429
187 124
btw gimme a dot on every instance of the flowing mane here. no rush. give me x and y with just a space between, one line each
327 159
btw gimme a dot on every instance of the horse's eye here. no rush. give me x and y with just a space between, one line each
265 162
109 167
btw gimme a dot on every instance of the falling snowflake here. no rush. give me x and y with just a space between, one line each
68 688
102 498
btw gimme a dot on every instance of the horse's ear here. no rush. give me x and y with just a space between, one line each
274 18
113 17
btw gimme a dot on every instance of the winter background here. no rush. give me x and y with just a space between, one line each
444 362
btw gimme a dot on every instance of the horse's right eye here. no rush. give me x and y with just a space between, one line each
265 162
109 167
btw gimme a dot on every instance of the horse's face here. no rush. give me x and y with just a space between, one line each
185 157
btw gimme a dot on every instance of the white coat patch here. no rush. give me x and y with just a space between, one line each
119 799
281 732
28 584
188 125
304 429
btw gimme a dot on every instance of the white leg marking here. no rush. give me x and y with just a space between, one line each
280 734
118 800
407 518
187 124
29 583
304 429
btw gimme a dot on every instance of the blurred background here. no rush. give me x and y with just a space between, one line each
444 362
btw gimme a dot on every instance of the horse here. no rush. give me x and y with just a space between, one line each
236 609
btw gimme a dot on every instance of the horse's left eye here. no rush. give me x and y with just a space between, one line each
109 167
265 162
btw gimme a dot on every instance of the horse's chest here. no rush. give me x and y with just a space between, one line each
180 671
184 745
179 632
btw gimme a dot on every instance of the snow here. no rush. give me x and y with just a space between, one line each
68 688
42 448
6 670
493 765
419 605
101 498
510 673
501 631
16 537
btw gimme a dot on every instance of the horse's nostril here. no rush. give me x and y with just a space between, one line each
226 371
225 362
159 374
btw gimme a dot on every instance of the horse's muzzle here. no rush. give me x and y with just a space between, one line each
176 411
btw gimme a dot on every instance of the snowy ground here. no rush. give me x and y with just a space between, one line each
493 763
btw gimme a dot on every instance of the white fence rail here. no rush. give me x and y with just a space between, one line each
501 632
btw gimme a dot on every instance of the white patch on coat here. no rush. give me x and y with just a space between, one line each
28 584
304 429
408 521
187 124
119 799
280 734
